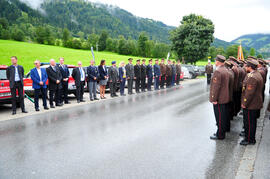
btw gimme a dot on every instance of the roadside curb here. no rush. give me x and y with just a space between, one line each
246 167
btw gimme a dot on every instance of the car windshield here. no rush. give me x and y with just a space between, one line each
3 75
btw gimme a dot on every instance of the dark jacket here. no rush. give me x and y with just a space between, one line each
76 74
130 71
149 71
53 76
137 71
157 70
36 78
64 72
102 72
143 71
11 74
178 69
113 74
122 74
92 72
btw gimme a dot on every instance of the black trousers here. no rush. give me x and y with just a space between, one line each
43 92
143 83
250 123
64 92
208 78
17 86
162 81
168 81
137 84
130 85
55 95
177 78
230 109
221 116
149 83
80 91
113 88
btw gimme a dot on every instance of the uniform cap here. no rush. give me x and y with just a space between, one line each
232 58
252 62
254 58
220 58
113 62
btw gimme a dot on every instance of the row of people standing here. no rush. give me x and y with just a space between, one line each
238 84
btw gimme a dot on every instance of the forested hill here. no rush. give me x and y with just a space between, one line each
87 17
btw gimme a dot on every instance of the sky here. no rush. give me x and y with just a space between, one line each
232 18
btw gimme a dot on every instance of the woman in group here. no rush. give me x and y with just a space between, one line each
122 78
103 75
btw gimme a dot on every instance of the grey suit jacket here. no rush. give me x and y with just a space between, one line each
113 74
130 71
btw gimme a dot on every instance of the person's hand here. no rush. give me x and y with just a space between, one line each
134 78
41 83
215 103
111 81
106 77
95 78
128 78
57 81
243 106
66 79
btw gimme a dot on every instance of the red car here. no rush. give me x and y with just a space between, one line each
28 81
5 94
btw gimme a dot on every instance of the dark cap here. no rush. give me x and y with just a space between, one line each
261 61
228 63
254 58
240 61
113 62
232 58
251 62
220 58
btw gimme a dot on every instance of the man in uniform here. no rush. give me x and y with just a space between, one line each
130 75
168 74
263 73
143 76
113 78
157 74
178 72
163 74
149 73
209 71
137 72
220 97
173 73
251 101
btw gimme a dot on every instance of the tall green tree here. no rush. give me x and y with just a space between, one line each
102 40
232 51
142 44
66 36
252 52
193 38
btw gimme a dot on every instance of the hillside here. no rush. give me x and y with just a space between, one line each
220 43
84 16
261 42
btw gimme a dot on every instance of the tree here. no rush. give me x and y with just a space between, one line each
259 56
142 44
122 46
232 51
102 40
93 40
66 36
18 35
109 44
193 38
252 52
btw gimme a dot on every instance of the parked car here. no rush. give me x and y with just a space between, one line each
193 72
201 70
5 93
71 82
186 74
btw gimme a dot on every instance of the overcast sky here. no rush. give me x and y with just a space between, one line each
232 18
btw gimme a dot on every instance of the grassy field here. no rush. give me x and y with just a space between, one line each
28 52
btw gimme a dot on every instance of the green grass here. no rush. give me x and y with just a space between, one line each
27 53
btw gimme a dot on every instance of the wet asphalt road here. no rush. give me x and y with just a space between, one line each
163 134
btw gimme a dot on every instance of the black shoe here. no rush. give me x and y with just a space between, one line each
82 100
78 101
244 142
46 108
52 106
37 109
24 111
67 102
13 112
59 104
242 134
115 95
91 99
214 137
96 99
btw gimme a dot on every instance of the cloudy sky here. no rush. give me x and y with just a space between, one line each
232 18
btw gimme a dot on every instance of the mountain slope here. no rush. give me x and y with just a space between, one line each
261 42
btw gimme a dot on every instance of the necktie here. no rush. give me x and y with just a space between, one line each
81 73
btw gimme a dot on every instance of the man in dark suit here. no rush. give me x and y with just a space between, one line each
130 75
55 77
92 72
137 72
39 78
15 74
65 76
113 78
157 74
149 73
143 76
79 76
